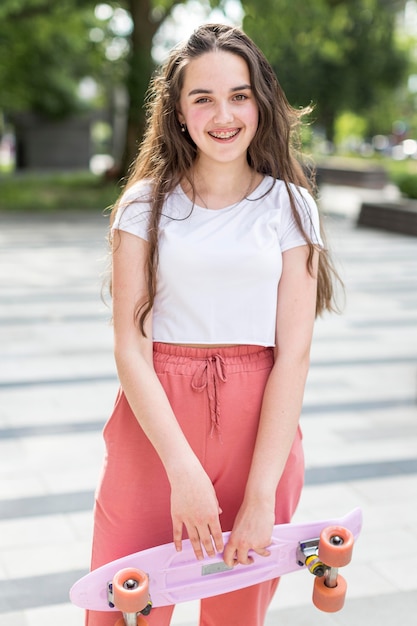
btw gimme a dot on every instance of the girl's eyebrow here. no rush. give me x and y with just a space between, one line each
197 91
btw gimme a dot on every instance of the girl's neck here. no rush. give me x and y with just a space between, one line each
220 185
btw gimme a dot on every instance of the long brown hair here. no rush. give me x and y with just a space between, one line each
167 154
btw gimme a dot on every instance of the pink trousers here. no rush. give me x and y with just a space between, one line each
216 395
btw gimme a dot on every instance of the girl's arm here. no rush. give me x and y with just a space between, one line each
193 499
281 408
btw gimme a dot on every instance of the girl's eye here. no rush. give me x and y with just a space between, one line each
202 100
240 97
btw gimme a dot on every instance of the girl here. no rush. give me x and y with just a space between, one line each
218 273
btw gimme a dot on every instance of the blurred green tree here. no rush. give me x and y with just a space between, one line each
147 16
45 51
341 55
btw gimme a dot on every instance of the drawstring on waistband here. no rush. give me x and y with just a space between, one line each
208 375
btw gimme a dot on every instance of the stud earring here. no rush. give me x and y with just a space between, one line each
183 128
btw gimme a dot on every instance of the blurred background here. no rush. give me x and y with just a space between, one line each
73 77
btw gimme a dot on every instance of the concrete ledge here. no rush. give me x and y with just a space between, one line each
397 217
369 177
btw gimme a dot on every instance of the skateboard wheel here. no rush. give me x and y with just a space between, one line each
336 546
329 599
130 590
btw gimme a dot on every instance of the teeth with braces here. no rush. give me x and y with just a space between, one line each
224 135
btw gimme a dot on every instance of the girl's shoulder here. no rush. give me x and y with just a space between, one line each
133 208
279 193
139 191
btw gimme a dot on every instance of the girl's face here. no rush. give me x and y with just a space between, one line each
218 106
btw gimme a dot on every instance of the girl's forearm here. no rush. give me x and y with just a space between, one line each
194 503
281 409
152 409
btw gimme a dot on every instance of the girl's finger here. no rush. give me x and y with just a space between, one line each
177 536
196 543
216 534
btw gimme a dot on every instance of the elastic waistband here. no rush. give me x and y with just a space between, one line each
207 352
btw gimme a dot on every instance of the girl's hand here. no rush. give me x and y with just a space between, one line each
252 530
194 505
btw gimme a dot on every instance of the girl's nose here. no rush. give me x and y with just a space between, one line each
223 113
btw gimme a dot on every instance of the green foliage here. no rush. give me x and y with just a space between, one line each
407 184
403 173
45 50
349 127
341 55
53 192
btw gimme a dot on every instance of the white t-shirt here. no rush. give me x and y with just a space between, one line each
219 270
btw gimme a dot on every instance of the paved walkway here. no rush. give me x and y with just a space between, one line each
57 386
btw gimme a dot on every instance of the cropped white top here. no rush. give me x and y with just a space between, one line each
219 270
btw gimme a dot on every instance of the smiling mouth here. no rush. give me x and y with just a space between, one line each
224 134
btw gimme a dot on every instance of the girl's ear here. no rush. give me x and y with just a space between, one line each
180 117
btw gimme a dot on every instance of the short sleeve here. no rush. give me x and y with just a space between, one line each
290 235
134 210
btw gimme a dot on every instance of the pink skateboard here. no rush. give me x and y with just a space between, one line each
161 576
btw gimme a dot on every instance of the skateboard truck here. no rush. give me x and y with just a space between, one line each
323 557
307 554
